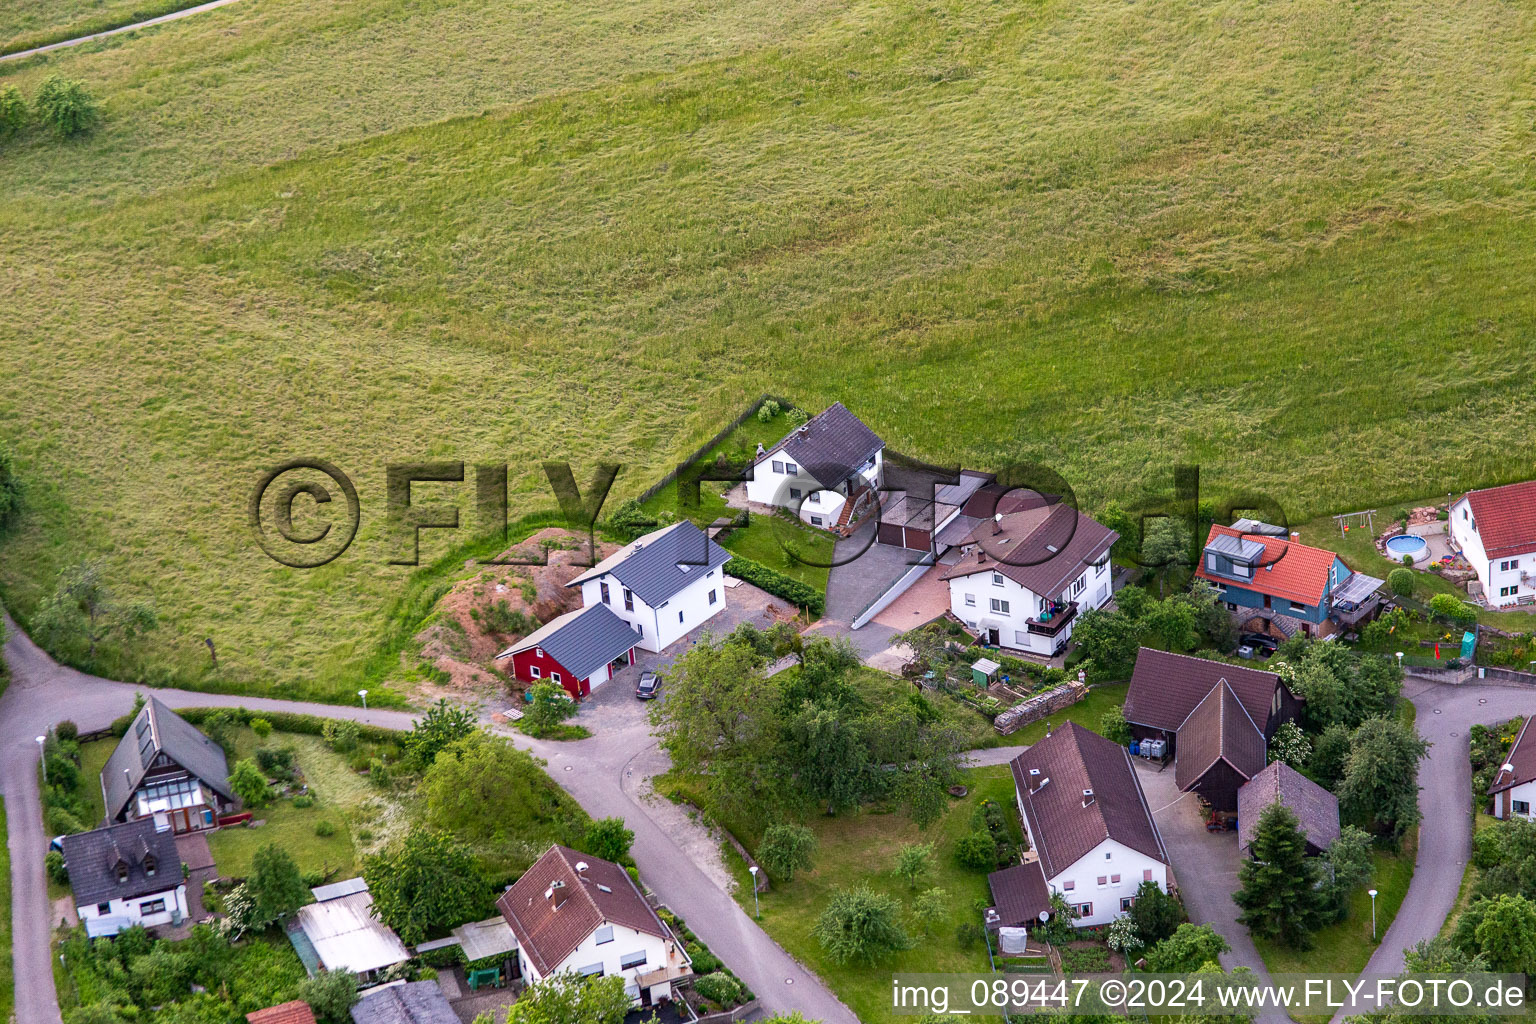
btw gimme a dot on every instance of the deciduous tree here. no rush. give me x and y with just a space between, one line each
424 882
566 999
1380 788
786 849
860 925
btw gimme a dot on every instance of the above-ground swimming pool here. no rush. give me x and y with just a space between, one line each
1407 544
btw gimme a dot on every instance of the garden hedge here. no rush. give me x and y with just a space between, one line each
777 584
282 721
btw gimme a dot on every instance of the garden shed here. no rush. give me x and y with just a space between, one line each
984 672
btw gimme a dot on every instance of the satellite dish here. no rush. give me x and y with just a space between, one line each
1506 767
1044 915
581 865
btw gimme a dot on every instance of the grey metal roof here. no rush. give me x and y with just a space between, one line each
1239 548
481 939
583 640
92 859
158 729
830 445
336 890
660 564
415 1002
1256 526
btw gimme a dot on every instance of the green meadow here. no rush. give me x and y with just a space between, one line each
1285 240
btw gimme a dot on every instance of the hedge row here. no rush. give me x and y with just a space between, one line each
778 584
282 721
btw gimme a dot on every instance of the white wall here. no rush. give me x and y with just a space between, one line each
1495 574
770 488
175 901
1107 861
1023 604
610 955
1526 792
659 627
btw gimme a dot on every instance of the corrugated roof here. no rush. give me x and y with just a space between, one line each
416 1002
660 564
552 908
92 858
347 937
1074 759
830 446
171 734
1166 687
1506 518
1315 808
480 939
1218 729
1288 569
1042 548
346 887
583 640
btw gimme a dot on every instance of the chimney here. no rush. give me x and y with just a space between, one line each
997 523
760 450
1087 797
1295 537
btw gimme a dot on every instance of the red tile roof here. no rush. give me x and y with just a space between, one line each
1521 759
296 1012
1069 761
1289 569
1506 518
553 907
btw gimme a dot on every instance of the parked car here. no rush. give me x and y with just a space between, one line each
648 686
1262 643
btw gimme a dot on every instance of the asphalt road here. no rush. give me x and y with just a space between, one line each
593 771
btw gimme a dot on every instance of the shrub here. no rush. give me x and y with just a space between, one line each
261 727
276 763
249 783
1401 581
64 106
66 731
1112 725
860 925
303 800
379 774
59 821
324 829
330 994
340 736
767 411
977 851
609 839
629 520
718 988
13 111
54 862
777 584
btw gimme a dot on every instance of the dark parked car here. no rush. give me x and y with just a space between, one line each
648 686
1262 643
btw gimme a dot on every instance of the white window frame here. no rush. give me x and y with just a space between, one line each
1000 606
533 670
997 579
790 469
970 600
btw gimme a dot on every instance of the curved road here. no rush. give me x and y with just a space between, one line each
42 693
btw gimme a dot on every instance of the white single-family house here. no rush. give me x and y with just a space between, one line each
1024 576
824 470
1514 787
664 585
572 912
1090 830
125 875
1495 529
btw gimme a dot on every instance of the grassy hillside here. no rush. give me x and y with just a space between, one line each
1284 240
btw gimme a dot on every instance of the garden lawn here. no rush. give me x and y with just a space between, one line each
1344 948
1099 236
861 849
93 758
364 817
1085 713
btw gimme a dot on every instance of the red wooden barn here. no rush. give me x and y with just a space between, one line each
578 650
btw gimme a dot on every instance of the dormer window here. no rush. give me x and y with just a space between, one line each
122 873
149 866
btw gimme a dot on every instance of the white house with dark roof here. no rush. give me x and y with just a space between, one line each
1495 529
125 875
165 769
1514 786
1089 826
572 912
1024 576
663 585
823 471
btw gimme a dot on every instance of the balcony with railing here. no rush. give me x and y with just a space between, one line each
1058 619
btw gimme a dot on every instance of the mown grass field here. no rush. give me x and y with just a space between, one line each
1284 240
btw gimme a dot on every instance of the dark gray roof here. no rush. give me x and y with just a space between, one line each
416 1002
583 640
157 728
660 564
1316 809
1238 548
92 859
830 446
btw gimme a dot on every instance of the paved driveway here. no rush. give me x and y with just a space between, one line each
594 771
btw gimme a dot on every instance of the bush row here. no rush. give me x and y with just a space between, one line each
282 721
777 584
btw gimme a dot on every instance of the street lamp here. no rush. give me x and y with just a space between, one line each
364 694
756 905
41 740
1373 915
